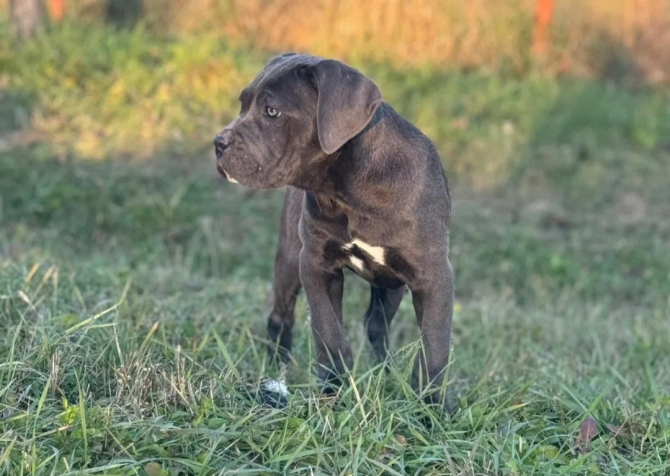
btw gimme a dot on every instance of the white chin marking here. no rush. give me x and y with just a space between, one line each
358 263
230 179
375 252
276 386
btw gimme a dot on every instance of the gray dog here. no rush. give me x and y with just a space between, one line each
367 191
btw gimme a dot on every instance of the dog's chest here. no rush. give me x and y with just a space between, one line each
355 242
371 262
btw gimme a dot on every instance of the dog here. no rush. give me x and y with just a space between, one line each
366 190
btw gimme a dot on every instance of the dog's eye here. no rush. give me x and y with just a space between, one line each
272 112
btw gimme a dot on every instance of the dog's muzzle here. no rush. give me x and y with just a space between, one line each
224 173
221 142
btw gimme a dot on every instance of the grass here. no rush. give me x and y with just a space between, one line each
133 305
133 293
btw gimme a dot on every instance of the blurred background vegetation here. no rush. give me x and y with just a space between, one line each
108 78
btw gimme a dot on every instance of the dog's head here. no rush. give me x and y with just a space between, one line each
298 109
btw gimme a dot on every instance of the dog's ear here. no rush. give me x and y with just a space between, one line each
347 101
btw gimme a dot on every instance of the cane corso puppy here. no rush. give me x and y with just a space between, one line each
366 191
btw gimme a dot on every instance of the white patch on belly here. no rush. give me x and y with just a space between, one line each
358 263
375 252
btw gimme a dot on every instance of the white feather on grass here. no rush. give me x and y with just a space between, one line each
276 386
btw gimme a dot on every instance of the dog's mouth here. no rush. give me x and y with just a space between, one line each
224 173
254 179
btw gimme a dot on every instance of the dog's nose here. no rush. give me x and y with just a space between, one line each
222 141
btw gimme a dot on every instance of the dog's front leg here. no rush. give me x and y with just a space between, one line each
323 289
433 304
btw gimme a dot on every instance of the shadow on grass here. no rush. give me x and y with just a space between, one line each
16 108
176 210
137 212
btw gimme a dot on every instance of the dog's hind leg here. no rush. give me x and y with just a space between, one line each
383 306
434 306
286 282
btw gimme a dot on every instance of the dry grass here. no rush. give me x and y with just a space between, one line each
470 34
624 40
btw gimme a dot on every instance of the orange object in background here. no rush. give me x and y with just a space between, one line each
57 9
542 19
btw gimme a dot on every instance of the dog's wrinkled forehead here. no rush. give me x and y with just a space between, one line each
278 67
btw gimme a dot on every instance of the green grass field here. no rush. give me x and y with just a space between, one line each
133 293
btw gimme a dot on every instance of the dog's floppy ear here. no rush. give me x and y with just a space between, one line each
347 101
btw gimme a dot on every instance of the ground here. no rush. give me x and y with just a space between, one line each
133 299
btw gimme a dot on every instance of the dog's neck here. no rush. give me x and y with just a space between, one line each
328 180
357 176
